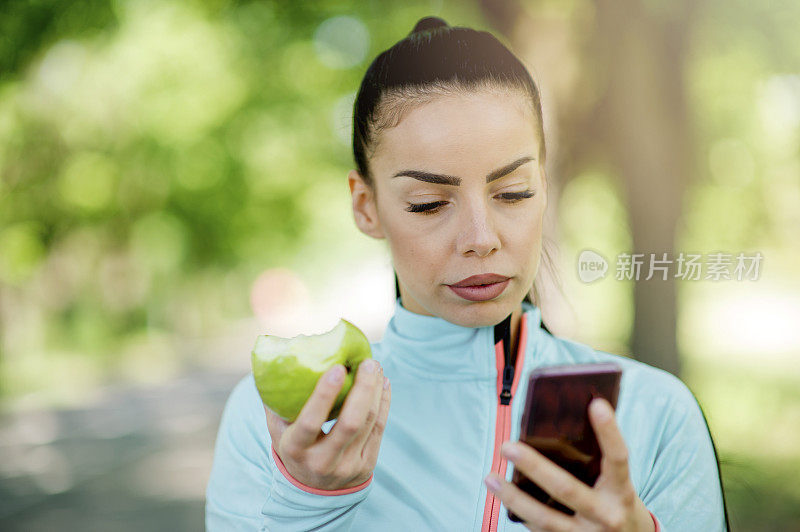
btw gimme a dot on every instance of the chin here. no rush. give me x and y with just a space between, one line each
483 313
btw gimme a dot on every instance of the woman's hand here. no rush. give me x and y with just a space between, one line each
610 505
346 456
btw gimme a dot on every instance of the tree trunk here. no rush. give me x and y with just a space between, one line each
648 135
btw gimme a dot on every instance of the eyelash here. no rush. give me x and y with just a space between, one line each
430 208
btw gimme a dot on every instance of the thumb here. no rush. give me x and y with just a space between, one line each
276 426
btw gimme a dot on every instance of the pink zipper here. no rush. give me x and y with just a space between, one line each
502 429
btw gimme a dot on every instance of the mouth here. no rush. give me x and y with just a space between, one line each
480 292
484 279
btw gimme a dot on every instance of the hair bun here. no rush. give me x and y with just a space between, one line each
429 23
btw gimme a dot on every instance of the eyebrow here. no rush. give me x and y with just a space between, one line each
443 179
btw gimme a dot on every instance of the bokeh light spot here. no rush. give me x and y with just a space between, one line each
21 250
88 180
278 298
158 240
341 42
731 162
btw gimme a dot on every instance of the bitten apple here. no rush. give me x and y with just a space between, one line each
286 370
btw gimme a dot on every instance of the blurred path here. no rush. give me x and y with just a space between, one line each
137 460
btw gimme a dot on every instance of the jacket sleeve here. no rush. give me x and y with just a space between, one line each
249 489
683 490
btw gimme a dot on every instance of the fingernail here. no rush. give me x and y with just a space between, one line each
602 410
493 483
385 383
336 375
370 366
510 450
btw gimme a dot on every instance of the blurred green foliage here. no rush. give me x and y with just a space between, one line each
155 157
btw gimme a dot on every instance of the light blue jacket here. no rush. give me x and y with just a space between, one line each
443 434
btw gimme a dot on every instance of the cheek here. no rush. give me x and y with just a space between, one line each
414 252
407 235
525 244
526 226
416 249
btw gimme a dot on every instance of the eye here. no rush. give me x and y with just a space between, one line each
426 208
514 197
430 208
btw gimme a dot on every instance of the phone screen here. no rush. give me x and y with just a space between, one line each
555 421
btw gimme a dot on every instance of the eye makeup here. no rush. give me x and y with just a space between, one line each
430 208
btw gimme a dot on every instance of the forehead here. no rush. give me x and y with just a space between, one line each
466 135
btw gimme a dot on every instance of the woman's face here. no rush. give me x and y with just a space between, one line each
477 228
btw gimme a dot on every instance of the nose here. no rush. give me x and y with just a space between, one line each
478 229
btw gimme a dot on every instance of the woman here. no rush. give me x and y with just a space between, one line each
449 147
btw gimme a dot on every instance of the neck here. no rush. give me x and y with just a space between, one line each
515 317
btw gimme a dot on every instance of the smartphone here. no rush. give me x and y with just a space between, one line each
555 421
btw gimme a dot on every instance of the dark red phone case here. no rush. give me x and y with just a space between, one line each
555 421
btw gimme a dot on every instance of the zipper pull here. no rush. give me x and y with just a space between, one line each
508 380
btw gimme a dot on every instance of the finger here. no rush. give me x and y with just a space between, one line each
614 462
356 407
559 483
358 443
373 443
275 425
526 507
307 426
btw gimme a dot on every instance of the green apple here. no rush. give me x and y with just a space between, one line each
286 370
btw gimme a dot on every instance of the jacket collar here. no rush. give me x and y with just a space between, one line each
432 346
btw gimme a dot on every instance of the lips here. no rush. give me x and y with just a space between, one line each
483 292
483 279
